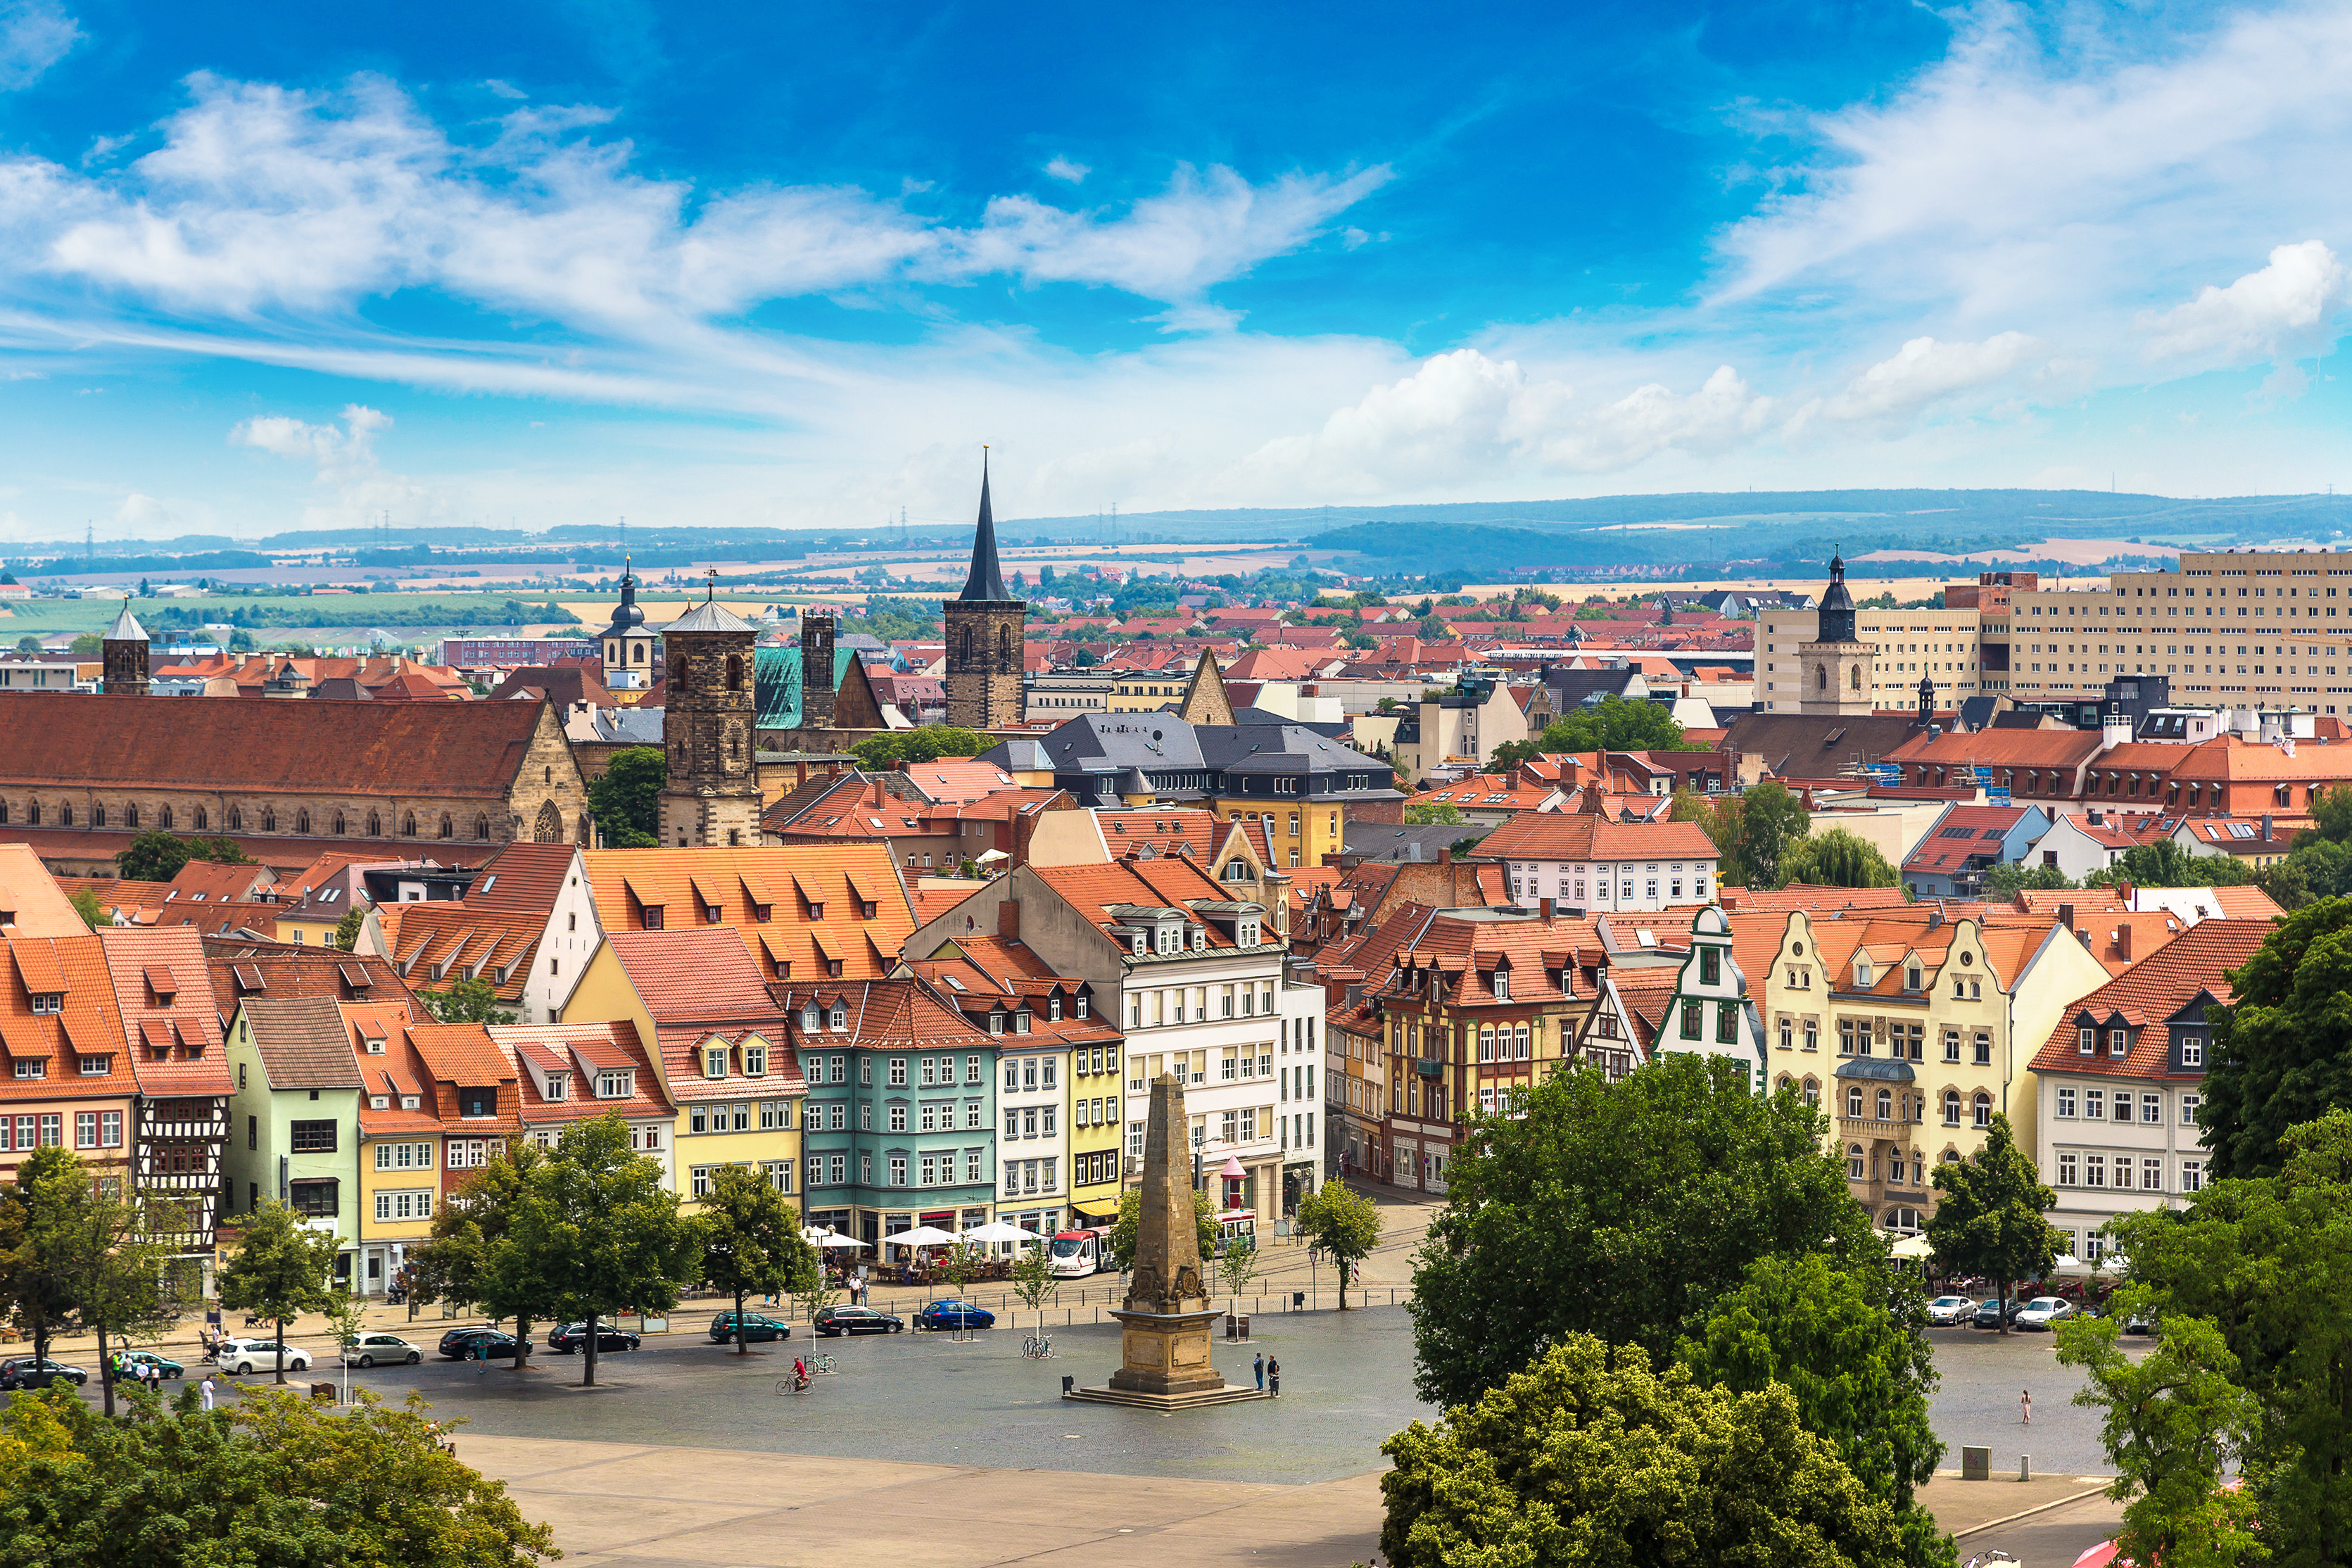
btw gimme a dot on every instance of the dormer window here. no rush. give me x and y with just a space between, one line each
1138 944
809 1018
410 1102
2085 1039
616 1084
559 1085
1082 1007
1862 972
1021 1021
755 1059
473 1104
1502 985
714 1062
374 1044
1911 978
838 1019
816 910
1246 933
1200 938
48 1002
2118 1042
710 913
652 917
1054 1008
379 1102
996 1023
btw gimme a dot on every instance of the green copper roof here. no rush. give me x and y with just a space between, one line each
776 684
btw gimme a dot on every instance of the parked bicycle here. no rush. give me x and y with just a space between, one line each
1037 1347
820 1366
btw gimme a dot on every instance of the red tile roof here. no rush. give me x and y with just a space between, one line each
787 881
161 980
581 1049
1582 835
89 1025
2197 960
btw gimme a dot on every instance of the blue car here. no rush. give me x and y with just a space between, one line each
954 1315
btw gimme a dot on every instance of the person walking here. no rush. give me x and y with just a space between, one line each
155 1379
1259 1366
1273 1377
481 1357
207 1389
2025 1406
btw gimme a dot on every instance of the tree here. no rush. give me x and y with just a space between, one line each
153 856
1343 1223
1237 1266
1032 1281
472 1256
1614 724
1130 1220
926 744
220 851
1587 1456
123 1276
2008 879
626 802
2165 864
1771 820
347 929
89 645
2283 1052
1718 816
1620 1209
468 1001
751 1240
601 1232
28 644
1988 1221
40 1230
2261 1262
1432 813
1848 1343
280 1270
277 1482
1835 858
93 913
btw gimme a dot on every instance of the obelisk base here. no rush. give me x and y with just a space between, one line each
1164 1365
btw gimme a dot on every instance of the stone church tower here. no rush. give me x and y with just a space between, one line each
712 795
984 625
1837 667
123 652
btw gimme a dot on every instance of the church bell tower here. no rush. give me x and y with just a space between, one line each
122 653
712 793
984 627
1837 667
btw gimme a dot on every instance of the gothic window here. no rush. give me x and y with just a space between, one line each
342 826
481 825
1003 649
235 819
4 812
129 817
33 812
408 825
1820 677
1857 678
202 815
162 818
549 829
302 819
734 672
677 674
448 828
375 825
97 816
268 819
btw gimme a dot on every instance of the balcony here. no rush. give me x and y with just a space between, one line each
1870 1127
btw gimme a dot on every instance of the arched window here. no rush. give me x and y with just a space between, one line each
1820 678
302 819
375 825
1853 1165
481 825
33 812
1983 1109
549 827
408 825
341 827
97 816
129 817
1003 649
1951 1108
1885 1105
163 819
235 819
1853 1100
64 815
448 828
734 672
1857 678
201 815
1812 1091
4 812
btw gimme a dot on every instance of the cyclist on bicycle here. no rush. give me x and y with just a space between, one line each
799 1372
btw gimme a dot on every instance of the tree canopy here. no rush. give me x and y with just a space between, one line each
468 1001
928 743
751 1240
1432 813
1588 1457
153 856
1614 724
600 1232
2283 1052
471 1258
1755 834
1130 1220
1343 1223
1623 1209
1989 1221
280 1270
626 801
1835 858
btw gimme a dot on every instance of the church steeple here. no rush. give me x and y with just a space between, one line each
985 584
1837 605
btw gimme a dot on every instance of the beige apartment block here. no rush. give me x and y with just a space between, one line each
1942 645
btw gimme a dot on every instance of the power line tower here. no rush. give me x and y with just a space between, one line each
88 543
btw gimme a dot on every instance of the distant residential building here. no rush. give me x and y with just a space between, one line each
1582 860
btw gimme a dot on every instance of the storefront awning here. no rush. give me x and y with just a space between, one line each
1102 1208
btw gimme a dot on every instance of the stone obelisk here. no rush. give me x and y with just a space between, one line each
1164 1338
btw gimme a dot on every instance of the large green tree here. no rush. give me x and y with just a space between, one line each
468 1001
2006 879
751 1240
1130 1220
126 1279
626 801
1433 814
2283 1052
153 856
927 744
1771 822
280 1270
2265 1263
1343 1223
1617 725
1988 1221
1847 1341
1835 858
1625 1210
601 1232
278 1482
43 1213
1588 1458
471 1258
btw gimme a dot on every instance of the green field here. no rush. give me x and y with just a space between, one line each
485 612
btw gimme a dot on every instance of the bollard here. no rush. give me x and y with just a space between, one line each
1976 1464
1298 1301
2025 1466
1068 1384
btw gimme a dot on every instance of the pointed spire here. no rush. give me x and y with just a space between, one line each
126 627
985 582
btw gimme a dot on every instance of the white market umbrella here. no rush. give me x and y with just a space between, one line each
921 1236
843 1241
1913 1247
998 1230
2067 1260
991 855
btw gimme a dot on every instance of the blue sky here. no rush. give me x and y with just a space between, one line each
268 265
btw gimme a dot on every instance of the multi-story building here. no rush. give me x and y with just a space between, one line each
294 1117
171 1029
1914 1029
526 928
903 1085
1058 1083
720 1045
1053 695
1461 726
1582 860
2120 1077
1193 975
578 1072
1867 660
407 1168
1298 1113
70 1079
808 912
1709 1012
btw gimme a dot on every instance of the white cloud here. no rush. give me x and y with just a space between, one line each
1062 168
505 89
34 36
141 514
333 449
2284 309
1927 372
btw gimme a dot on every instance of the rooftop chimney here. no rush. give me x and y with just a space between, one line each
1008 919
2066 916
1545 907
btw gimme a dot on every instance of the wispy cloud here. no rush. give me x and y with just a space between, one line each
34 36
1061 168
2284 309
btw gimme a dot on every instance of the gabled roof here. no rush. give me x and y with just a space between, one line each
700 975
301 1042
626 882
161 981
581 1049
905 1011
1582 835
75 968
35 904
2199 959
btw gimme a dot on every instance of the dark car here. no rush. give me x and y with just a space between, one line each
755 1327
458 1344
1991 1315
137 1362
954 1315
572 1337
30 1372
835 1321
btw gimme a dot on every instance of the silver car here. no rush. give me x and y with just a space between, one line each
2044 1312
391 1350
1950 1311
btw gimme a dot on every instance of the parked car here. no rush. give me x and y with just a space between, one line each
835 1321
458 1344
1950 1311
2045 1313
31 1372
953 1315
571 1338
390 1349
1990 1313
246 1357
2143 1323
755 1327
137 1362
